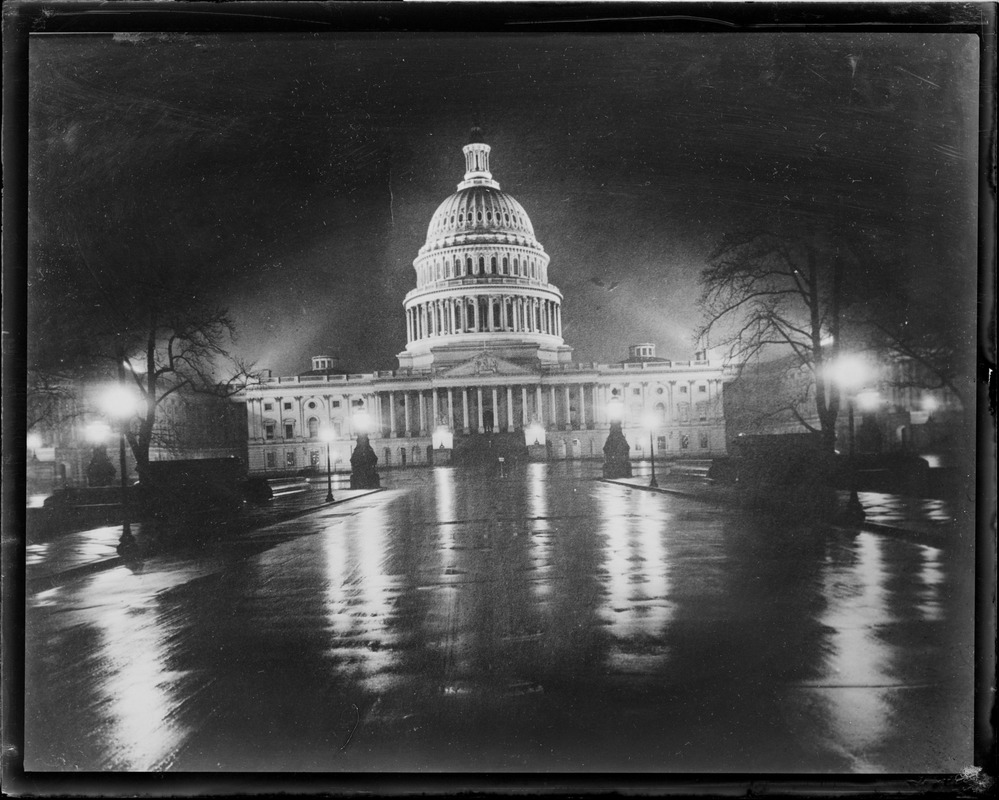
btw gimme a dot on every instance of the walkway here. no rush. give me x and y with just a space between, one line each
886 513
69 555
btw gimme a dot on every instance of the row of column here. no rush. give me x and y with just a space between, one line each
433 271
510 408
550 406
479 314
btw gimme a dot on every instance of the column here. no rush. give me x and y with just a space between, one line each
496 416
509 408
392 414
423 414
482 424
554 410
475 314
436 418
537 403
489 313
405 400
523 406
582 406
568 407
464 408
450 409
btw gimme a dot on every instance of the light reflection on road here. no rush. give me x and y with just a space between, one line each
538 621
858 668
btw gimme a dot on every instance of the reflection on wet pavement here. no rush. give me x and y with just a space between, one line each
543 621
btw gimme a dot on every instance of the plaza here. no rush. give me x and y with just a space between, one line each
542 621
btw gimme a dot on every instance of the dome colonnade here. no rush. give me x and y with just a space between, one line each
481 279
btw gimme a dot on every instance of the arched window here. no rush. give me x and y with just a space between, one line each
497 322
313 427
489 216
492 265
506 264
478 216
482 265
516 266
468 265
661 413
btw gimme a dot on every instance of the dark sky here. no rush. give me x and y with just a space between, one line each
303 170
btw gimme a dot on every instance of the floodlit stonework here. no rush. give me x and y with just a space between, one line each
485 365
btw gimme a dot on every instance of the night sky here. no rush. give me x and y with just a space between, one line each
303 170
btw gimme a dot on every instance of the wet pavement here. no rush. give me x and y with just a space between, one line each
544 621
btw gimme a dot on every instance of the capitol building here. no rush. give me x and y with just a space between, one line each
485 369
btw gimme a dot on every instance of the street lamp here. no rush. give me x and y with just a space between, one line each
650 423
121 404
327 434
362 422
850 372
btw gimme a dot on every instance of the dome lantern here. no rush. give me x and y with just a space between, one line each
477 167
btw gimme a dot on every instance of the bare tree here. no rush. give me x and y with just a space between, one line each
770 291
144 313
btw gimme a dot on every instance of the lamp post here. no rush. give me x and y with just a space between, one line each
850 372
120 403
327 434
650 423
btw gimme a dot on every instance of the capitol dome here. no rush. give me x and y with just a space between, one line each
480 211
481 279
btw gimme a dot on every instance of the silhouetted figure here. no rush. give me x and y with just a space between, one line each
616 450
362 466
100 470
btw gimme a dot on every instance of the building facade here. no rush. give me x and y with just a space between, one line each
484 358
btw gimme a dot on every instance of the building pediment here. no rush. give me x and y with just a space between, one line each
485 364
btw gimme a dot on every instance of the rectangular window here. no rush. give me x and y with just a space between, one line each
683 390
268 406
268 431
289 458
661 442
704 441
335 404
271 459
702 389
357 403
684 442
636 391
289 431
287 406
